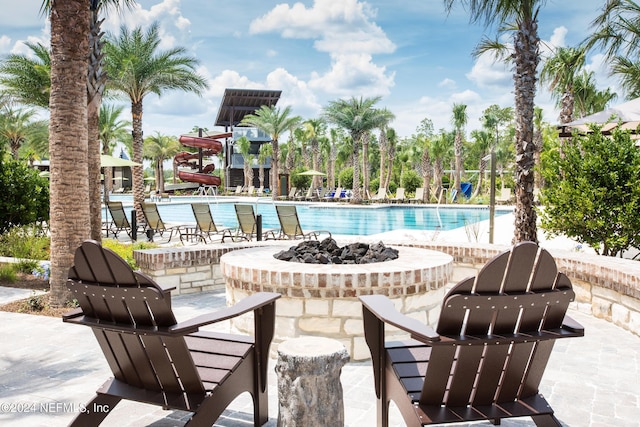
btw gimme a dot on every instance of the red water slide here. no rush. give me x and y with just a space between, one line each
210 146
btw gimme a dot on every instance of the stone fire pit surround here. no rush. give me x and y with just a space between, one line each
322 299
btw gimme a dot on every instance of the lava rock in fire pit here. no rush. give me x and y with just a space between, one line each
328 252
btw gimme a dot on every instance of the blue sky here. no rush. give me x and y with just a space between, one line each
411 53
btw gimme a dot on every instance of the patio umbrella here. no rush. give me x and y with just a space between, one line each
627 115
110 161
312 172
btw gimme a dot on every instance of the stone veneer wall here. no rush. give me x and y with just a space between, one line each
606 287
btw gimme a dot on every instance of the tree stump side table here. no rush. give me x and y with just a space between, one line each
309 388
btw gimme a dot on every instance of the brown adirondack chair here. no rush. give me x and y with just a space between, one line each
487 356
158 361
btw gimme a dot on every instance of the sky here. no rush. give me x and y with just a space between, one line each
413 54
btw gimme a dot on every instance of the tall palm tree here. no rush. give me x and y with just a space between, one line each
274 122
482 142
520 17
159 148
440 148
358 117
17 127
28 78
617 33
336 135
560 72
136 67
70 221
459 120
112 130
385 117
243 146
314 129
392 144
588 98
95 85
264 152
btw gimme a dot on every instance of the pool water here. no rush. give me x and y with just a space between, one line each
345 220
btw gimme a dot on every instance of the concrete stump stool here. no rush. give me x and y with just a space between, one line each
309 388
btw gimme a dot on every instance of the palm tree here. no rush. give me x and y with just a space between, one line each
70 221
392 143
95 84
313 130
17 127
159 148
560 72
27 78
482 143
522 19
263 154
112 130
617 33
136 68
440 148
336 135
358 117
273 122
243 146
588 98
459 121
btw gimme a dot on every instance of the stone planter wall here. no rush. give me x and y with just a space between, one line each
608 288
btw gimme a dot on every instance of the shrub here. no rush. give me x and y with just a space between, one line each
24 198
125 250
345 177
410 180
24 242
8 273
299 181
592 191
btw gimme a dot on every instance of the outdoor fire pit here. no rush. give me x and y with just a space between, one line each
329 252
322 299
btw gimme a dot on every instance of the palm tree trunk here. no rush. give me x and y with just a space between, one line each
356 197
137 171
275 182
526 61
69 211
457 177
481 168
365 166
95 88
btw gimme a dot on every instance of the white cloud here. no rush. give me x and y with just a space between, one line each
490 73
5 44
447 84
295 92
173 26
338 27
353 75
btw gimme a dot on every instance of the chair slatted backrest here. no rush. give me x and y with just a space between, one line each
204 219
152 216
124 309
400 193
246 218
289 221
419 193
117 215
508 316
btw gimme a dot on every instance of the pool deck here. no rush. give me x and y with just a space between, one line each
55 367
590 381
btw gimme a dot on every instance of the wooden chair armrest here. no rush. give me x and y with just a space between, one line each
73 313
250 303
382 307
572 325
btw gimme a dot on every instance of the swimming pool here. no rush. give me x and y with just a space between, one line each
360 220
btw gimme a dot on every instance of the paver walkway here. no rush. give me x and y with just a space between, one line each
49 369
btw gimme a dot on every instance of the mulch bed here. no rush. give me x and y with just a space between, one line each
27 281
